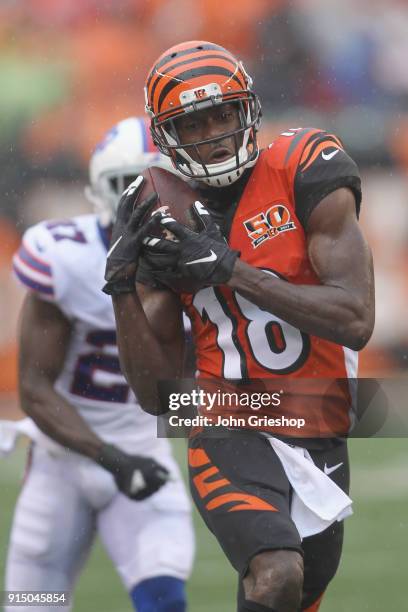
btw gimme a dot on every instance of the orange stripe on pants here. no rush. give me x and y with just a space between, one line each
314 607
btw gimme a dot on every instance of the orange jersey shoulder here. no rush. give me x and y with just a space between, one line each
300 147
306 164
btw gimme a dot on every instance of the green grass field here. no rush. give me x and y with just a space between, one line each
372 575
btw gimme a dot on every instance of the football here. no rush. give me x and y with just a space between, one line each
175 195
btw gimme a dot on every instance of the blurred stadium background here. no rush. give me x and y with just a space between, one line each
70 70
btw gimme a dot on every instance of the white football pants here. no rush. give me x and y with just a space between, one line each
66 500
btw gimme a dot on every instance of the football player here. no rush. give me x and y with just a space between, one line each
100 467
278 284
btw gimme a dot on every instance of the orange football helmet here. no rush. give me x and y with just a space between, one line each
193 76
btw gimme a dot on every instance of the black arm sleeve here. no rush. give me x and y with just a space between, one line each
325 169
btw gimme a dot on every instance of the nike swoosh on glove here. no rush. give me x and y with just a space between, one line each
136 476
196 260
127 237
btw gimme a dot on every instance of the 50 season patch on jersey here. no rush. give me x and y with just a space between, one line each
269 224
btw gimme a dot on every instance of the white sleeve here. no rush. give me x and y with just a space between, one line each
33 263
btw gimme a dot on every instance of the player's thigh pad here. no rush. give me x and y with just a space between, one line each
52 528
150 538
243 495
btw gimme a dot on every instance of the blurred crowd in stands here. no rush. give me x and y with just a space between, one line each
69 70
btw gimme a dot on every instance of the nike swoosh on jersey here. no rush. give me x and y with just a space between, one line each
113 247
211 257
333 468
328 156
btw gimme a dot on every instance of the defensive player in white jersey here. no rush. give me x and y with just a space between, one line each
101 467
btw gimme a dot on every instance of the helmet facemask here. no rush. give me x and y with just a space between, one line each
187 157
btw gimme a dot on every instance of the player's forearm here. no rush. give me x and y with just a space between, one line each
144 360
58 419
329 312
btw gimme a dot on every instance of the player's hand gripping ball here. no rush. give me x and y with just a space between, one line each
127 236
156 190
198 258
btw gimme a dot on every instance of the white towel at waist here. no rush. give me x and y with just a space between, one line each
11 430
317 501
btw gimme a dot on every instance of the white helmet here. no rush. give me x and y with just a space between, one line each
126 150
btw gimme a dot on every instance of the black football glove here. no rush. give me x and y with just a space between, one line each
195 260
148 271
136 476
127 236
